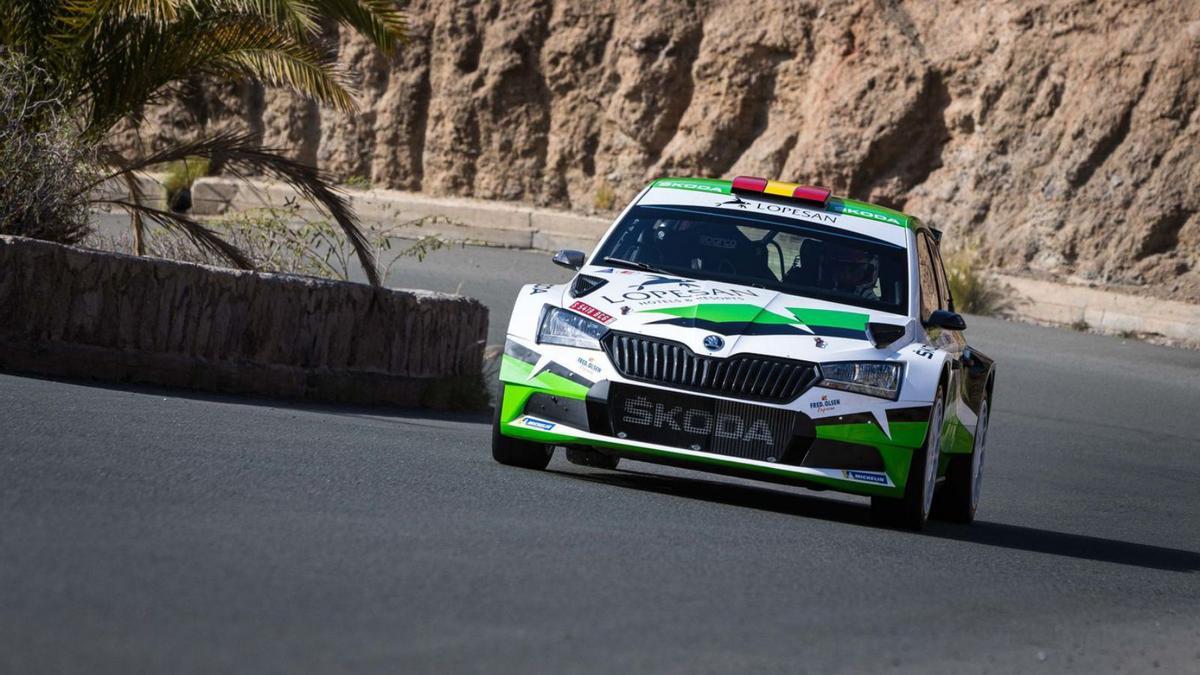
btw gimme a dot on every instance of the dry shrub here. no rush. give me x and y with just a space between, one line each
283 240
45 169
973 291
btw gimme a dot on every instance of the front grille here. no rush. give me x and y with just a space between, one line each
750 376
699 423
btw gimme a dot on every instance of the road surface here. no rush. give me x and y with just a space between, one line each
154 530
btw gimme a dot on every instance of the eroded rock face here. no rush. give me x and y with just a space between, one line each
1060 136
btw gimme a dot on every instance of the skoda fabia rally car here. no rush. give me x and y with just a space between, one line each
758 329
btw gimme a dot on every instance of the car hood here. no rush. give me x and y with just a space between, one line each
747 319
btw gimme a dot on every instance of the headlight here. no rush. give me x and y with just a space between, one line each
560 327
873 378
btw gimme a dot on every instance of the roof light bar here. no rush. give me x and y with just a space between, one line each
804 193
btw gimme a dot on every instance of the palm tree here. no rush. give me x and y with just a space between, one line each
108 59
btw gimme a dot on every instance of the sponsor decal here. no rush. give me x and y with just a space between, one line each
588 310
641 411
825 404
717 242
783 209
655 297
868 476
656 280
589 363
540 288
718 187
870 215
539 424
925 350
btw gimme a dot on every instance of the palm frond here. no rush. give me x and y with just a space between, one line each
298 17
138 61
26 25
380 20
200 236
241 156
81 14
279 60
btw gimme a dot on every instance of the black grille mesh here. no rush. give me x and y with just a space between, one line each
748 376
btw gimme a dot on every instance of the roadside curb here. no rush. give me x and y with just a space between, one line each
515 225
1102 311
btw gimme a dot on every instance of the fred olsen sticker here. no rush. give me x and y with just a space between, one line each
825 404
590 364
587 310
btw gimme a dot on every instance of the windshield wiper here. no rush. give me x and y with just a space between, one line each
635 265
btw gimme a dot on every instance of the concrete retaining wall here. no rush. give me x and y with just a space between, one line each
474 220
79 313
1102 311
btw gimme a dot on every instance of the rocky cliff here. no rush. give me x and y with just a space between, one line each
1060 136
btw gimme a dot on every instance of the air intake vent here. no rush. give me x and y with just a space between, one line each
748 376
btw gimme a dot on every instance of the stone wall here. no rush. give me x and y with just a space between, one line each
66 311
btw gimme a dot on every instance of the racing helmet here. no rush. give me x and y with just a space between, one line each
851 269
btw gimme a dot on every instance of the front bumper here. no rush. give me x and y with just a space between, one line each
848 453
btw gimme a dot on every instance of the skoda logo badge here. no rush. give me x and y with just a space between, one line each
713 342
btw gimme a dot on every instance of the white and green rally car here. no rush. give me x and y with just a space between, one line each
759 329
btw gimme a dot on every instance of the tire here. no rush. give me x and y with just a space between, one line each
911 511
514 451
958 498
592 458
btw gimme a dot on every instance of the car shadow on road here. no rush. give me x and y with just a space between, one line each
1016 537
1082 546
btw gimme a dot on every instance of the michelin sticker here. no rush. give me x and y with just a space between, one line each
539 424
869 477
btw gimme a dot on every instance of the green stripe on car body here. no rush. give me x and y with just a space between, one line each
742 313
831 317
515 371
725 313
907 434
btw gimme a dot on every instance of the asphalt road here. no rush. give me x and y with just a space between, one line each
152 530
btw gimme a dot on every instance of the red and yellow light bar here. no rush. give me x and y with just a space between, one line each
804 193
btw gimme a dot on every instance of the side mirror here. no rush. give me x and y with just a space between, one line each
571 260
940 318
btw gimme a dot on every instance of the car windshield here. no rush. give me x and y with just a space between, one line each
780 254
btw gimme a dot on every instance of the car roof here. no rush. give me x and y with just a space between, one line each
837 205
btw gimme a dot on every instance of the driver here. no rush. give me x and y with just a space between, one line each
852 271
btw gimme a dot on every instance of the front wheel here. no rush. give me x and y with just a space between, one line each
514 451
912 510
958 499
